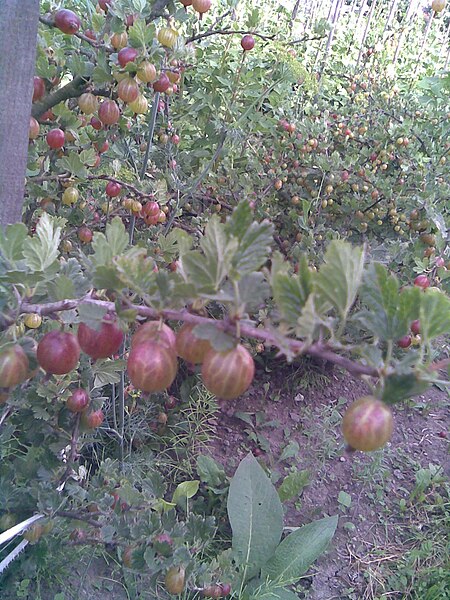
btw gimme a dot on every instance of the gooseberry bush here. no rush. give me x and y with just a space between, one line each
195 197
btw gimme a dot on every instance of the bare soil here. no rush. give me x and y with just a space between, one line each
308 410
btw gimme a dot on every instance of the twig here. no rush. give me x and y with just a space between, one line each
81 36
73 450
79 516
201 36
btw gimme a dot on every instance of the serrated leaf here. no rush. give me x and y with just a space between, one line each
218 250
88 157
92 314
434 314
253 291
72 163
299 550
136 270
339 278
101 75
70 283
240 220
218 339
293 485
42 250
129 494
389 312
12 240
289 297
106 277
198 270
176 243
139 34
398 387
112 243
312 320
254 248
209 471
61 288
107 372
256 516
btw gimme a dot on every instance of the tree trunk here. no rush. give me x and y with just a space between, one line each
18 36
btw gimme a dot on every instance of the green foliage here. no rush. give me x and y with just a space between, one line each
288 145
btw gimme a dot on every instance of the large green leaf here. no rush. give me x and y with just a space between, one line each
256 516
299 550
340 276
92 315
434 314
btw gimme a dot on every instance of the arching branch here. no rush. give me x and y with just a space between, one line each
73 89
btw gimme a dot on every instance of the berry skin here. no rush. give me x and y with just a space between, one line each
404 342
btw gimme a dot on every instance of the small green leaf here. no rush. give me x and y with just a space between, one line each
291 450
344 499
240 220
184 491
293 485
253 292
254 241
339 278
389 312
140 34
107 371
73 163
114 243
209 471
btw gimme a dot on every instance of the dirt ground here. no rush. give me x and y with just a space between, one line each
307 409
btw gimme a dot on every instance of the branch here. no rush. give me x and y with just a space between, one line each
78 516
158 9
65 176
201 36
317 349
81 36
74 89
73 450
124 184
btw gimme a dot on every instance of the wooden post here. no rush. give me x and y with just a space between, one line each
18 37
